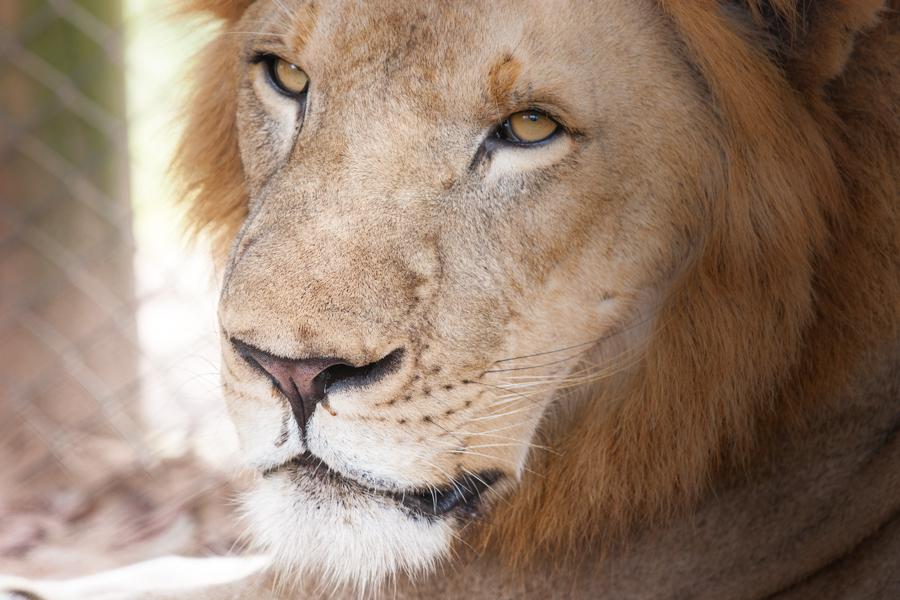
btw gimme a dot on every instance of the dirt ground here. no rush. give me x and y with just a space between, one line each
57 527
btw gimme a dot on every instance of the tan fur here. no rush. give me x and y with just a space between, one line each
729 186
745 313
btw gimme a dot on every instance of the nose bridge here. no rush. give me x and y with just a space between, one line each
340 243
391 148
321 282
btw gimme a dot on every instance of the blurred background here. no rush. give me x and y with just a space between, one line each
114 443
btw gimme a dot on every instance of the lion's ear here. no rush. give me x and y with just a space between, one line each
813 39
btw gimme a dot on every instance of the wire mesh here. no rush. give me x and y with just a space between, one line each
113 438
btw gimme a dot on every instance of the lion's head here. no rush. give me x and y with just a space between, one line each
520 270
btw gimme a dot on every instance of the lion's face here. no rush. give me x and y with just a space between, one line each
413 282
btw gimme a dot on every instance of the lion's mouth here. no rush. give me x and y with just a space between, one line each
461 497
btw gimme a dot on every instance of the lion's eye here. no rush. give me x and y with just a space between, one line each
527 127
288 78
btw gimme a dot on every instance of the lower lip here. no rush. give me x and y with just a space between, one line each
462 498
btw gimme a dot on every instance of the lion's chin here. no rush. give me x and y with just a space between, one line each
334 533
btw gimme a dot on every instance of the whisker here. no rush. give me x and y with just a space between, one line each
475 476
510 445
486 486
449 477
259 33
490 435
505 460
491 416
442 428
546 352
496 387
464 449
549 364
607 336
577 378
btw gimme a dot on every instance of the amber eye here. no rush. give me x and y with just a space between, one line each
527 127
287 77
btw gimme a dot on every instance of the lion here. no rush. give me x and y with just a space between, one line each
558 299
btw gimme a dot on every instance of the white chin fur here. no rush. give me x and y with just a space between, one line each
323 536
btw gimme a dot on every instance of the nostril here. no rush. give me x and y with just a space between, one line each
344 376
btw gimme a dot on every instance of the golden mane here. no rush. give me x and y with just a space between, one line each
208 161
757 327
775 306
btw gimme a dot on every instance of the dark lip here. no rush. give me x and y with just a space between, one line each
461 497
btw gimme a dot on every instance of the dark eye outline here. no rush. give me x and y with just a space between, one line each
505 134
269 61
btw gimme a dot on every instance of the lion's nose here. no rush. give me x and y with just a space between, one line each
306 382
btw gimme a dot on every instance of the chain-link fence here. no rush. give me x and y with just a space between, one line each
111 428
